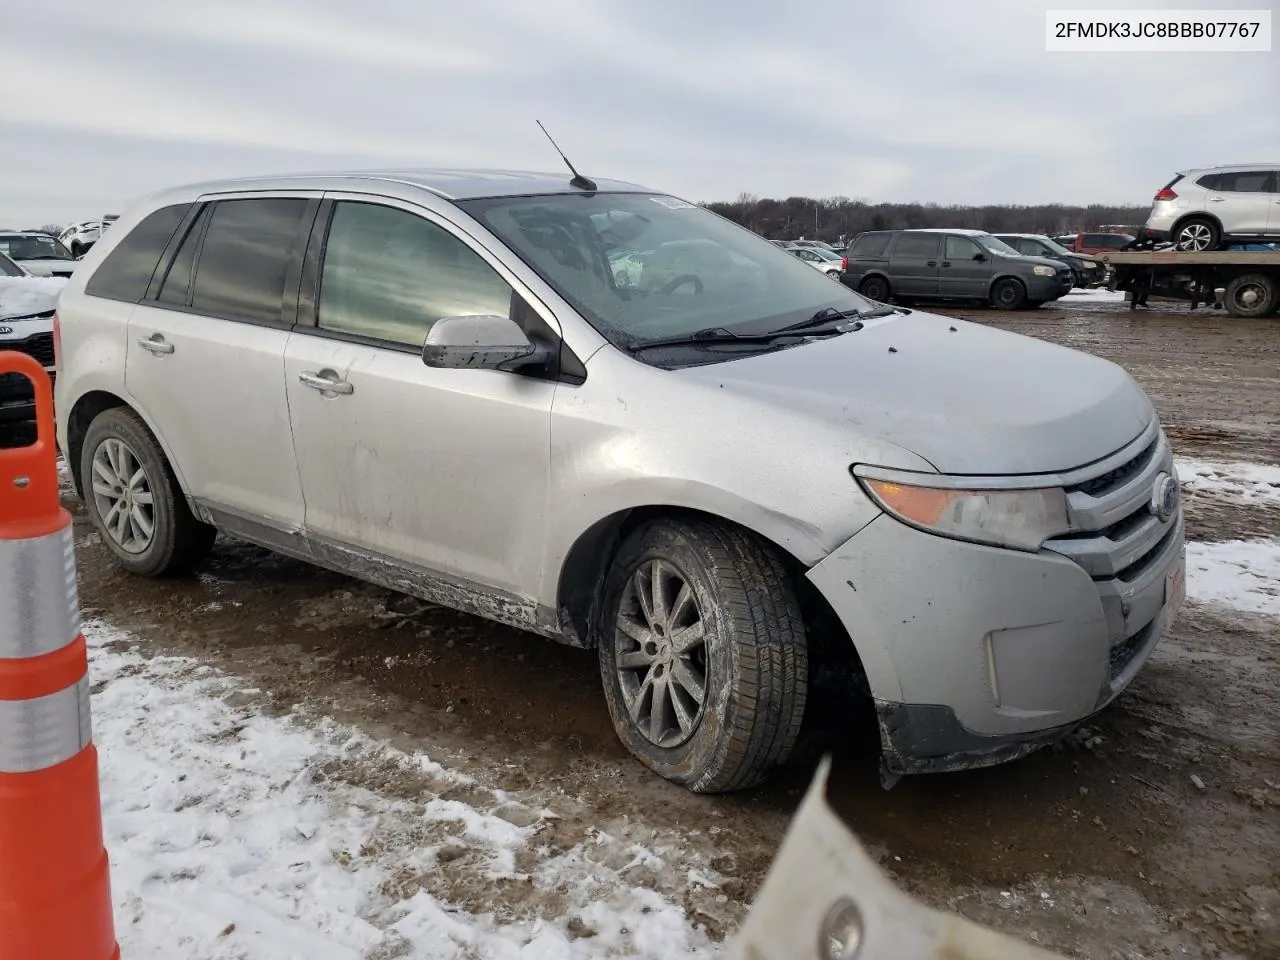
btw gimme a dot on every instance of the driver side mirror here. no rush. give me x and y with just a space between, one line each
480 342
980 256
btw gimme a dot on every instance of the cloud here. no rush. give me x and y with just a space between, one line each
926 100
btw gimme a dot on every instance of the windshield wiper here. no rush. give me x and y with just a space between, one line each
710 335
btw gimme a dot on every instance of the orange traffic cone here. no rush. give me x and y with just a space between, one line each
55 890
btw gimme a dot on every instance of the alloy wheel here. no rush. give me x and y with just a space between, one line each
661 657
122 496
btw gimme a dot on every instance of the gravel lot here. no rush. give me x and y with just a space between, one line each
1154 832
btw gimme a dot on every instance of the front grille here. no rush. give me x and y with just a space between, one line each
1104 483
15 387
1121 543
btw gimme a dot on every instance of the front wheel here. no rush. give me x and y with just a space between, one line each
702 654
1008 294
134 500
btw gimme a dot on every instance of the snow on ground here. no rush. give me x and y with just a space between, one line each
1092 295
1247 482
1242 574
234 833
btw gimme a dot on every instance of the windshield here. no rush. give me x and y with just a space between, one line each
996 246
1053 245
34 248
8 268
641 267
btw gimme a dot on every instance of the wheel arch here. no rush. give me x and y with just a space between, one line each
1198 215
588 558
83 412
878 273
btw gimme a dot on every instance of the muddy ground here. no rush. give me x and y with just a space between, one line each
1102 847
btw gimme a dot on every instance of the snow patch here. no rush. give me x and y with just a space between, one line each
21 296
236 834
1241 574
1246 482
1092 295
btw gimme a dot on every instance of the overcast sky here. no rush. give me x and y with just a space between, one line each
953 102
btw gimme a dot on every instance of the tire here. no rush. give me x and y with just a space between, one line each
1197 234
1251 295
875 288
1008 294
178 540
752 661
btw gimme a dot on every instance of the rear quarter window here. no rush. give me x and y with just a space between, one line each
870 245
126 271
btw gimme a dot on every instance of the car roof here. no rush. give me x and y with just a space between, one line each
23 233
961 230
1229 166
448 183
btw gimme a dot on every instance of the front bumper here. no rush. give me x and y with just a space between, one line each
976 655
1048 288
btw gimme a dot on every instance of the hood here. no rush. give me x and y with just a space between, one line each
47 268
23 296
973 401
1034 261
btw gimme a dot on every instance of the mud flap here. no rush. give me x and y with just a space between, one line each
825 897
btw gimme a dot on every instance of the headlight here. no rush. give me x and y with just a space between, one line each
1091 264
1021 519
1043 271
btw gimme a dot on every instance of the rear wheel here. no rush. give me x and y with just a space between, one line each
134 500
1251 295
1196 234
875 288
1008 294
702 654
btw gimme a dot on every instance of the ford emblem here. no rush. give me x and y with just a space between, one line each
1164 497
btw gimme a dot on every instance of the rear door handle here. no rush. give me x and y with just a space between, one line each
156 344
326 381
931 263
1216 199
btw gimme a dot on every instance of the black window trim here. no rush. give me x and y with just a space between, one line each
289 295
565 366
170 255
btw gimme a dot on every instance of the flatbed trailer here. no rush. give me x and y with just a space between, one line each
1245 283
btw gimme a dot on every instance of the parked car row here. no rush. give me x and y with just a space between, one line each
38 253
929 264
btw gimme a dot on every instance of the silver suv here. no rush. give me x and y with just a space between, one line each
1213 207
434 381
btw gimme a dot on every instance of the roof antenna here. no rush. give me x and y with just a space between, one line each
579 181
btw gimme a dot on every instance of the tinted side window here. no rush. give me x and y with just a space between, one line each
1212 181
390 274
247 250
1253 181
127 269
177 284
871 245
922 245
959 248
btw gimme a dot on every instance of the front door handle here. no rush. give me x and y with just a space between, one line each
946 263
326 381
156 344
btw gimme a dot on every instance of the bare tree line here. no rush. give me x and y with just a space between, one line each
829 218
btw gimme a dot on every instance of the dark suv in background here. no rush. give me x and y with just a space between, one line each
951 265
1088 271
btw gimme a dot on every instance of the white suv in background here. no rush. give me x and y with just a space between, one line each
79 237
1210 208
